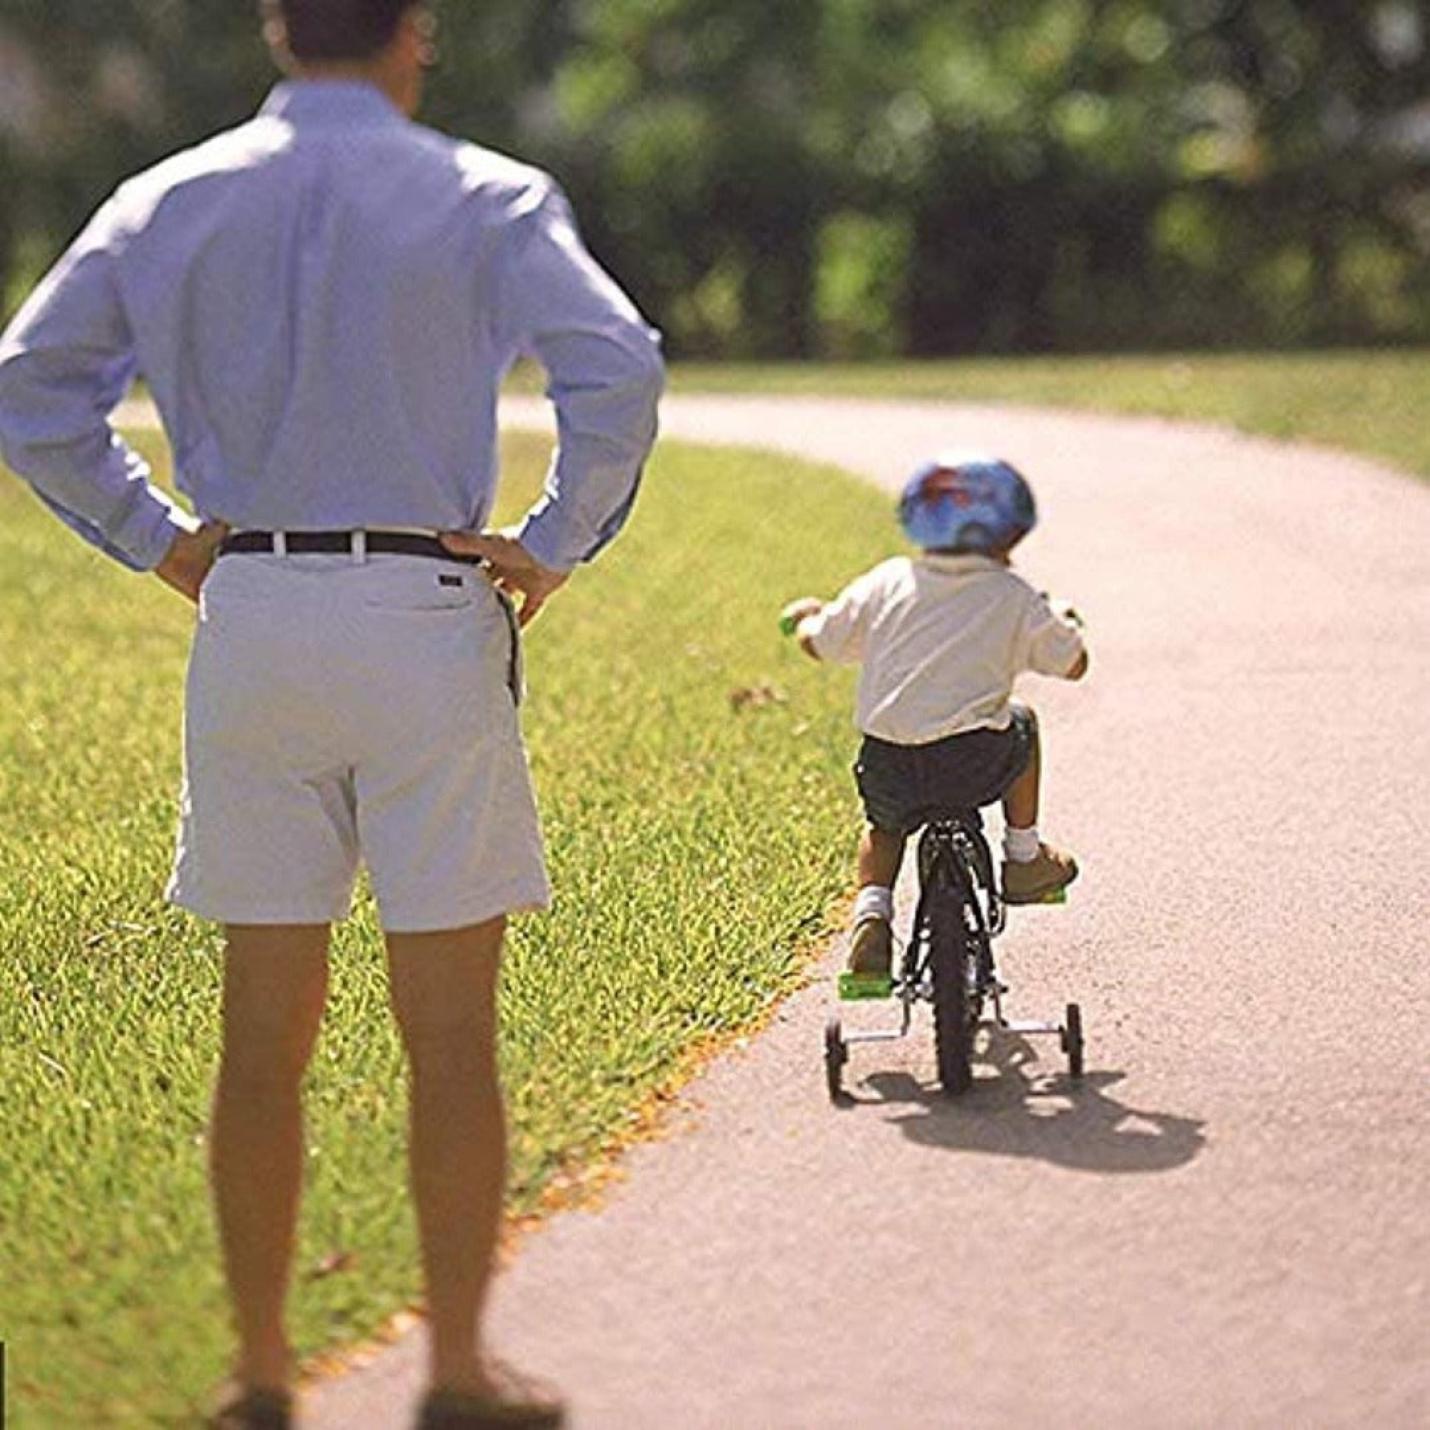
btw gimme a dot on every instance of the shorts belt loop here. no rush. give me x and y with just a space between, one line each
359 547
280 543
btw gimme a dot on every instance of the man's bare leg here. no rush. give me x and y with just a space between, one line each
275 985
444 993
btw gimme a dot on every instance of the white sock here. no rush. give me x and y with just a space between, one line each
1021 845
874 902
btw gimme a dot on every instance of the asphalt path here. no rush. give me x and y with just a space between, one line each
1226 1223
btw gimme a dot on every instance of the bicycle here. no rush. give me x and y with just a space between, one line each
949 962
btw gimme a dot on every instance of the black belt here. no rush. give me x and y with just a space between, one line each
341 543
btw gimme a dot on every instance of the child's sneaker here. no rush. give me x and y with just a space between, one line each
871 949
1039 879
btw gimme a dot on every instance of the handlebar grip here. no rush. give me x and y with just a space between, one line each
788 625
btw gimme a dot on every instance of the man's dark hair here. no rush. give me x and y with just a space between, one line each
338 29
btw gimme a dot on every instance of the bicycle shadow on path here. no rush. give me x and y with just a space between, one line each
1023 1113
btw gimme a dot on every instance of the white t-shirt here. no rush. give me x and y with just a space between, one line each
941 640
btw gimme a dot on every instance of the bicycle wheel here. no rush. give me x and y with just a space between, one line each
836 1054
1072 1040
955 1017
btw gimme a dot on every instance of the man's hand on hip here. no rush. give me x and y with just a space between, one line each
513 568
190 558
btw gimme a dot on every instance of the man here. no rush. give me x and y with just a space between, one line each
323 302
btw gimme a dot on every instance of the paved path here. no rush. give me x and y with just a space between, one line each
1227 1224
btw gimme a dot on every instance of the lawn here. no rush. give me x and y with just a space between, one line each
1370 402
697 840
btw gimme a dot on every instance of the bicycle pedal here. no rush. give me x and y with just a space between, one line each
856 987
1058 896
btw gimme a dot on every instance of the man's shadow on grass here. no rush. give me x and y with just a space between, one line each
1023 1113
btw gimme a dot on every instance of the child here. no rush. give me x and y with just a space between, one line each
941 638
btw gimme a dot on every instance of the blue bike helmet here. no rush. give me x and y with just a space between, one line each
967 502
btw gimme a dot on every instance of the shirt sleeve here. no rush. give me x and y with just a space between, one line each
65 363
1052 645
838 632
605 373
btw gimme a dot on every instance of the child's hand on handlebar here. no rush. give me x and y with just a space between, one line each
796 611
1063 610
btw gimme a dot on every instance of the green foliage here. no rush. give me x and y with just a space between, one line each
1054 173
860 271
696 840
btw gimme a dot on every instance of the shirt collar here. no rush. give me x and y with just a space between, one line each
329 101
957 563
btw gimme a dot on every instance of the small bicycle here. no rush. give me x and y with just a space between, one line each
949 962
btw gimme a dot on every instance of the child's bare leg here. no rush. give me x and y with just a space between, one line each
872 946
1020 804
880 855
1032 870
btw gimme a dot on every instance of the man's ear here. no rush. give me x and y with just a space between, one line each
419 30
275 33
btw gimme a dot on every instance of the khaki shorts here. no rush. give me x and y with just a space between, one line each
344 712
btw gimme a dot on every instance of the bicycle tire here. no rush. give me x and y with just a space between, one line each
954 1015
1073 1041
836 1054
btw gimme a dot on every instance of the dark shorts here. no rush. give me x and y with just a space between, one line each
905 786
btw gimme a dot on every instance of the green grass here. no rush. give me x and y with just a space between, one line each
695 851
1370 402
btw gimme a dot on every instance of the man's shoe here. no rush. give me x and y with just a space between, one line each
517 1403
241 1407
1040 880
871 948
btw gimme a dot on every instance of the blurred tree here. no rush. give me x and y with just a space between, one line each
124 83
10 182
1314 205
683 125
863 176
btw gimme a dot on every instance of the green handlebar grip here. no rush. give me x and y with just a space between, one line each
788 625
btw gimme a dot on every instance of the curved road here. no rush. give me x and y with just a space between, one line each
1227 1223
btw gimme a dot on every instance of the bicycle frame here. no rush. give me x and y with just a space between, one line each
958 890
954 849
953 853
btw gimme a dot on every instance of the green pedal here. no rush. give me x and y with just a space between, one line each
1058 896
855 987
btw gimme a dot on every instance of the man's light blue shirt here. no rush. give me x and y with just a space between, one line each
323 302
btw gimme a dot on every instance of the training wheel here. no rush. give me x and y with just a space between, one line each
836 1054
1072 1040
